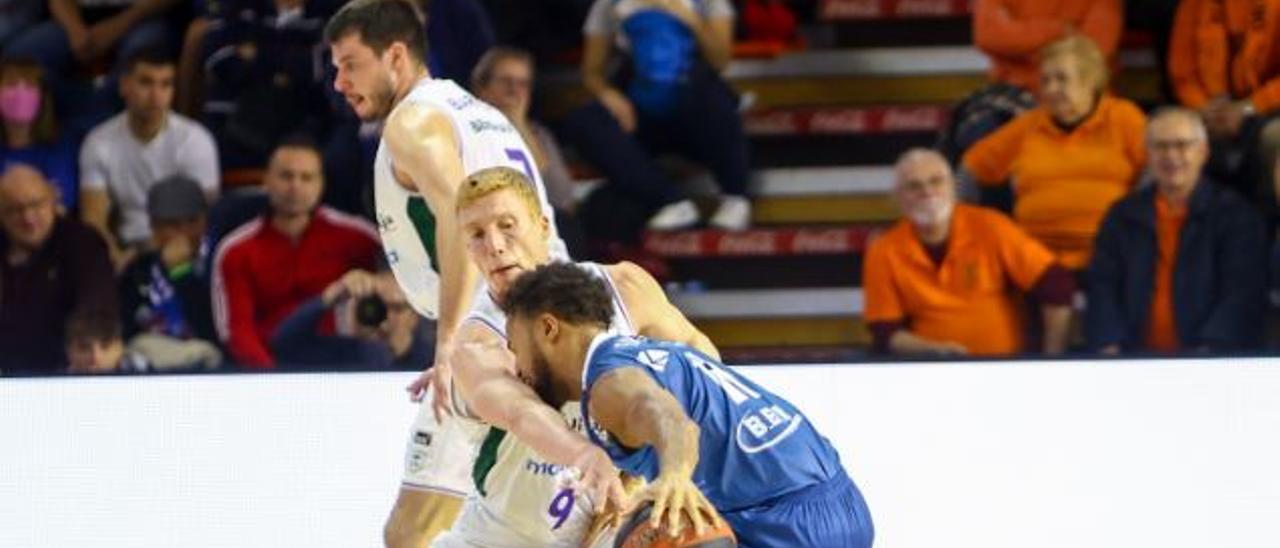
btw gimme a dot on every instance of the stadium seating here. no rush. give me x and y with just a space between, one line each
825 123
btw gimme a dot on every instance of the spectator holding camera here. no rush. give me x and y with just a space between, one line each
263 270
387 333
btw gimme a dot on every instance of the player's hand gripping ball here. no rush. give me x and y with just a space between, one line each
637 532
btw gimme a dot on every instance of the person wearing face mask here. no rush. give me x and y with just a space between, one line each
1068 159
30 129
938 282
1180 265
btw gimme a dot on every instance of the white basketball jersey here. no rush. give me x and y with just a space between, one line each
486 139
518 500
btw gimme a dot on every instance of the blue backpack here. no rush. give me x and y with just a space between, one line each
662 49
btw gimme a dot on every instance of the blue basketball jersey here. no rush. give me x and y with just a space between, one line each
754 446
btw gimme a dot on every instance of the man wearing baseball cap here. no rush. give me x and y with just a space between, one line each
163 298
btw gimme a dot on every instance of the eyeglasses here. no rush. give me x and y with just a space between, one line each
1175 145
512 82
21 208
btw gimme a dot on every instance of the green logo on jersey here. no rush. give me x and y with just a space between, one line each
425 224
487 457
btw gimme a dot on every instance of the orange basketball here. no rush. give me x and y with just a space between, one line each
637 533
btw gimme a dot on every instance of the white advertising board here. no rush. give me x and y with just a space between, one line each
1017 455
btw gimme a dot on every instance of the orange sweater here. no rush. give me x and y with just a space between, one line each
1063 183
1162 331
970 297
1013 32
1226 47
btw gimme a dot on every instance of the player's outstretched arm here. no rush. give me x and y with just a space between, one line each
655 317
483 369
426 150
630 405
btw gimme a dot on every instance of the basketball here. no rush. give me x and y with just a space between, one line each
637 533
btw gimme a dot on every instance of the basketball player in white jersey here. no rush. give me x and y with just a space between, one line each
434 134
518 501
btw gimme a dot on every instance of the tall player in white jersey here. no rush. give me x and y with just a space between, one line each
518 501
434 134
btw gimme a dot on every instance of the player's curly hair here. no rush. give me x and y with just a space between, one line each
564 290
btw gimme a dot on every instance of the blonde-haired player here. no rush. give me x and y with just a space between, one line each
434 134
519 501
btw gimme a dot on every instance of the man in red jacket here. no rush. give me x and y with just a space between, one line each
268 266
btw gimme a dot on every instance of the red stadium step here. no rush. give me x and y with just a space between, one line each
853 10
846 120
777 242
765 49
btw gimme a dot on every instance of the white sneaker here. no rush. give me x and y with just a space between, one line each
680 215
734 213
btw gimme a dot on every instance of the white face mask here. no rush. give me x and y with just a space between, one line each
931 211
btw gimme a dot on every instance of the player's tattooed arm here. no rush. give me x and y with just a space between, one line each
426 150
654 316
637 412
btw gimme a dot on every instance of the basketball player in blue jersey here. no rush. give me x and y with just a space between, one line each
507 233
703 435
434 134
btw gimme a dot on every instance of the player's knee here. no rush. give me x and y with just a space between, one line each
418 517
396 535
400 531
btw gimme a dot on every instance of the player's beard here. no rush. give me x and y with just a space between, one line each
543 384
383 99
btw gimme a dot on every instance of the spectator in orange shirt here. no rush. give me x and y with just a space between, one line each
939 282
1070 158
1181 264
1224 61
1014 32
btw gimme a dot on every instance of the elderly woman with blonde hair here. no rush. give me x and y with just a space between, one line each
1071 157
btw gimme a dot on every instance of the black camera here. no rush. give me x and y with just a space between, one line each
371 311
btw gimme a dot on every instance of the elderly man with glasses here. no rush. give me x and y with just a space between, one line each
1179 265
50 265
